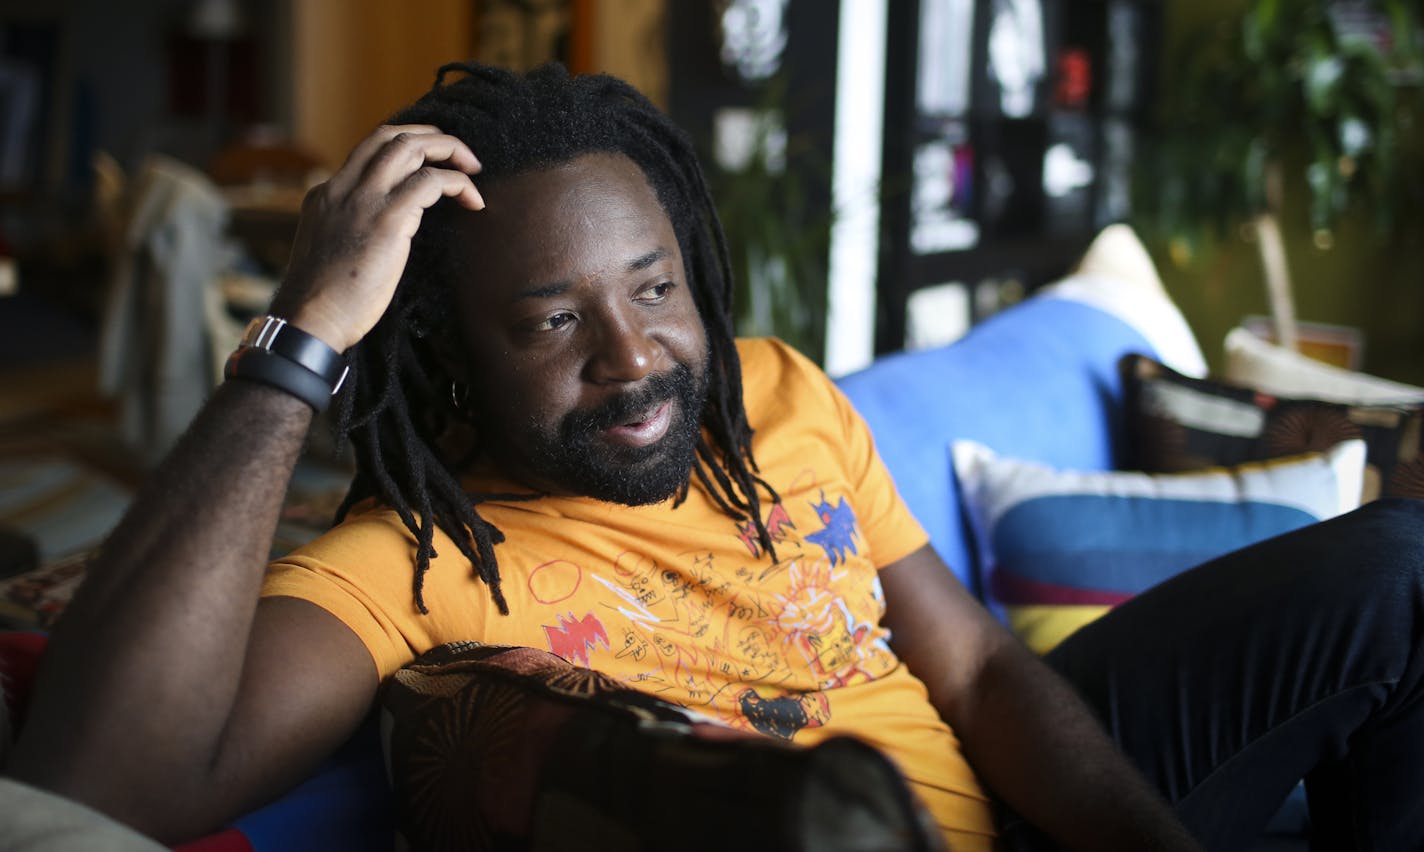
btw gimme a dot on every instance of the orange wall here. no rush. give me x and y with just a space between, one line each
357 61
354 62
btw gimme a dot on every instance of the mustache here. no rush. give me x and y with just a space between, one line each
632 404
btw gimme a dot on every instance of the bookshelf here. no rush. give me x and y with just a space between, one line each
1010 130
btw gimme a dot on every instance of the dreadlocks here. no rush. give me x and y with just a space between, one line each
400 403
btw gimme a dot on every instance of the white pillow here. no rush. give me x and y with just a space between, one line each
1255 363
1116 275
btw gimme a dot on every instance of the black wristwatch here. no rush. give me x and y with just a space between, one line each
276 353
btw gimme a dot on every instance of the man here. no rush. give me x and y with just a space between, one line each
554 427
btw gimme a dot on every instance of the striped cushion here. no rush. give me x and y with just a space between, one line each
1059 548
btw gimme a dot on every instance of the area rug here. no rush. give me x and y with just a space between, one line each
62 504
65 508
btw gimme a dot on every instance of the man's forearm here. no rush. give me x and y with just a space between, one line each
1039 747
141 672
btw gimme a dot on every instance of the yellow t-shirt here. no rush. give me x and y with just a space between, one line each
681 603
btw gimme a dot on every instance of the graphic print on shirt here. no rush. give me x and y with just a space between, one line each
555 581
573 637
820 627
783 715
840 529
777 524
725 630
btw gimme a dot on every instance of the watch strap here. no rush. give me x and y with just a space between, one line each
254 363
280 337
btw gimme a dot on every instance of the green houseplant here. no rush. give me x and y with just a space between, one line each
1322 93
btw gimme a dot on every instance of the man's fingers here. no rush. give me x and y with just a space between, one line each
421 190
432 183
407 153
469 195
392 152
460 157
356 161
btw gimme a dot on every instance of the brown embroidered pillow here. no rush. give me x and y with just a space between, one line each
1176 423
497 747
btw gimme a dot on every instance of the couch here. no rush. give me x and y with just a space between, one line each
1038 381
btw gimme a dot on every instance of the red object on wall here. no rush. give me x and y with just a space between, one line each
1075 78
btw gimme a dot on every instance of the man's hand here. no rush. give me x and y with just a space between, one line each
354 238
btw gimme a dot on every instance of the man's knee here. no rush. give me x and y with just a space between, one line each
1367 565
1363 570
1386 533
1394 516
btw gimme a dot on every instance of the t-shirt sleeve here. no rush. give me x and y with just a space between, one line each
362 572
889 528
886 521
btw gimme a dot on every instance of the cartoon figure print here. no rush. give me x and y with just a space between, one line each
840 530
783 715
816 625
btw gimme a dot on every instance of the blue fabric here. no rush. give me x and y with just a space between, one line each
346 804
1128 544
1038 381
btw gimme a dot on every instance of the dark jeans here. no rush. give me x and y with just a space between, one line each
1299 657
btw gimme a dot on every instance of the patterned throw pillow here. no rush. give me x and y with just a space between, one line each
498 747
1177 423
1059 548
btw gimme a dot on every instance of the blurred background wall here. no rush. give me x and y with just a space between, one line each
216 83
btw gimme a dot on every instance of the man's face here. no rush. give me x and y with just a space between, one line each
587 357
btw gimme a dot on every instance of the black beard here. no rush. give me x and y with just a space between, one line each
577 461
